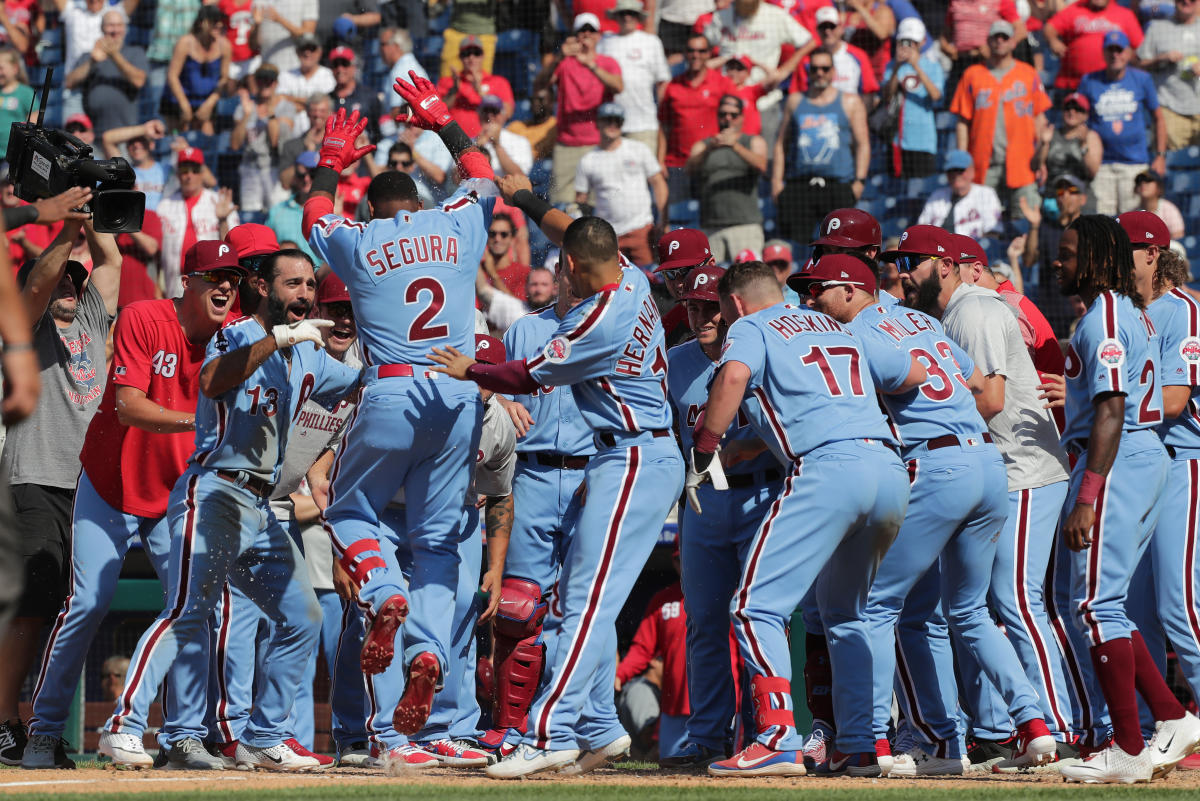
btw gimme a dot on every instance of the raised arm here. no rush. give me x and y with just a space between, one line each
106 266
48 271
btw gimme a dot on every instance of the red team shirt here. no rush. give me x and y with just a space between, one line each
663 632
465 108
689 113
150 353
240 24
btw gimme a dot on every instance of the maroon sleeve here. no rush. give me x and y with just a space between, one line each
511 378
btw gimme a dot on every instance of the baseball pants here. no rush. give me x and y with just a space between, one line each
101 537
924 649
539 536
214 524
804 537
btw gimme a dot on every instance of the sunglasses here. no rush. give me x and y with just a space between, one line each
188 168
1073 107
500 234
252 263
907 263
1066 190
677 273
817 287
400 163
731 115
308 49
1003 36
471 51
697 50
341 62
820 68
826 26
219 276
76 128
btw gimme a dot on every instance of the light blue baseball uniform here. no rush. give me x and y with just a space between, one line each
214 521
713 546
814 405
411 281
611 351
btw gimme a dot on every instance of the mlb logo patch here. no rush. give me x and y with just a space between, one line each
119 371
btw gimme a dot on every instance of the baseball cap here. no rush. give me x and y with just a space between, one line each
211 254
849 228
746 254
626 5
309 159
777 250
912 29
344 28
967 250
252 239
342 52
81 119
306 40
489 350
1115 39
957 160
1149 175
1145 228
266 74
75 269
840 268
702 284
740 62
332 290
1078 99
685 247
921 240
585 19
190 155
1069 180
610 110
471 41
827 14
491 103
1002 27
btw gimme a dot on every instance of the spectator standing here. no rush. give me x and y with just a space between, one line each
284 24
1076 35
349 94
687 113
499 262
151 176
968 24
16 95
309 76
471 18
919 81
198 73
242 18
21 26
189 215
72 312
821 154
622 173
737 70
510 153
80 126
339 21
1041 248
542 128
172 19
1148 186
395 48
852 70
1124 103
463 90
963 206
1001 108
726 168
1171 53
431 162
285 217
110 76
82 24
585 80
644 71
870 25
541 287
1072 148
263 119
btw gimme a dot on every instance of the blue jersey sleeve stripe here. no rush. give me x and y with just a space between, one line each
776 426
578 332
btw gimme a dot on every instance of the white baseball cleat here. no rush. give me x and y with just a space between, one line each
125 749
1172 742
527 760
919 762
1111 766
599 757
279 757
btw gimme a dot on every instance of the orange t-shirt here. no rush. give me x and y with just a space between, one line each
977 101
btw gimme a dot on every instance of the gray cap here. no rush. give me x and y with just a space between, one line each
1002 27
610 110
626 5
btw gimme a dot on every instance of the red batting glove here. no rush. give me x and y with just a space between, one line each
425 109
337 148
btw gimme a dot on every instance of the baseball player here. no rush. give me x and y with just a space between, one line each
610 350
408 278
799 367
680 252
137 445
257 374
717 530
1113 404
957 509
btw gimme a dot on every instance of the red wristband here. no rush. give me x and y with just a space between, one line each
705 440
1089 488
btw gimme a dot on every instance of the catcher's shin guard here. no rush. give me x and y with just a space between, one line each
518 656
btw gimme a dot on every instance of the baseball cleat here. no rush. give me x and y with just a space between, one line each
46 752
279 757
13 739
983 754
527 760
354 755
227 753
815 748
919 762
758 760
380 643
404 760
125 749
189 754
1172 742
294 744
458 753
1035 746
883 756
692 756
863 764
1111 766
599 757
413 709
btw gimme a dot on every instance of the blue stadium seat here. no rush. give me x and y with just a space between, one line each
1187 157
923 187
1191 244
1183 182
523 111
685 213
517 41
429 53
440 22
540 175
1190 206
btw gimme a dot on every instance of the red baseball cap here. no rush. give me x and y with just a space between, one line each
702 284
685 247
81 119
849 228
1078 99
743 62
746 254
342 52
252 239
211 254
777 251
922 240
332 290
967 250
841 268
489 350
190 155
1145 228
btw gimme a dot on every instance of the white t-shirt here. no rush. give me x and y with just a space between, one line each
83 31
518 148
293 83
985 325
619 179
276 43
643 64
760 36
976 214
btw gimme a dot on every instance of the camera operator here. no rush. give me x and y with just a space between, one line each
71 314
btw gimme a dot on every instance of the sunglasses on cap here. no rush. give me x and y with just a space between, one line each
219 276
826 26
308 48
906 263
1074 107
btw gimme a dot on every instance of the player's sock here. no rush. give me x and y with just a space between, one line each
1151 685
818 678
1114 664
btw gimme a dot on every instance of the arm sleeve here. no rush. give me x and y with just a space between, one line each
1180 352
580 349
641 650
744 343
131 361
496 480
334 239
963 104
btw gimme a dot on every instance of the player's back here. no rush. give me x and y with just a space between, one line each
810 376
1176 319
1114 349
943 404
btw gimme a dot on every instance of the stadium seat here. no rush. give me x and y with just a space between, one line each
517 41
1188 157
924 187
429 53
685 213
440 22
540 176
1183 182
523 111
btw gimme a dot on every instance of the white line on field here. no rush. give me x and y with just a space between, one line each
107 781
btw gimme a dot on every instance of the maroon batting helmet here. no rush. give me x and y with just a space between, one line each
849 228
702 284
684 247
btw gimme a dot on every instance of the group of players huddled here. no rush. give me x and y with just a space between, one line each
895 471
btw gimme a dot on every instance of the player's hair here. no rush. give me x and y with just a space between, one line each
1105 257
391 186
1173 270
745 275
590 240
270 265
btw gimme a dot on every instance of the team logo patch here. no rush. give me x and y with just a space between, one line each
1189 349
557 350
1111 353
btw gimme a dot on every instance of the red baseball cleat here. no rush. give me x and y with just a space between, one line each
380 642
413 709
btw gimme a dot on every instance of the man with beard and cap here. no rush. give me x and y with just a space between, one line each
680 252
257 374
252 243
714 544
956 510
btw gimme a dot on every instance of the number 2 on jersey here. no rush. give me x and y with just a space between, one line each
430 292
